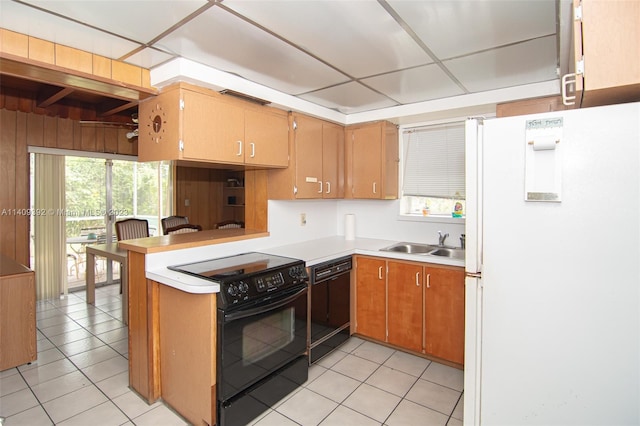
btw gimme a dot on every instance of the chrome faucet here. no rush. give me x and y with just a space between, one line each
441 238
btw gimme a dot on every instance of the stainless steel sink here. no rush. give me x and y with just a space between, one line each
453 253
427 250
411 248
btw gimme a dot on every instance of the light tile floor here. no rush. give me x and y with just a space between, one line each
81 378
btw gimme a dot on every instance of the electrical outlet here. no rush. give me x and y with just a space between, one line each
303 219
187 203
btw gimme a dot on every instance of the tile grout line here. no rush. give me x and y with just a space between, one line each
41 404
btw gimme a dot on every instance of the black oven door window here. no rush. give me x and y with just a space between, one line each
255 342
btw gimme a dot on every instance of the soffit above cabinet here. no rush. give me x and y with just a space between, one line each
347 56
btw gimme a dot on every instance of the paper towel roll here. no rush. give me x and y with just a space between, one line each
544 144
349 226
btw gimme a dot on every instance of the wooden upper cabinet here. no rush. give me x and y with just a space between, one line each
204 137
444 313
265 136
317 161
405 306
186 122
372 161
307 140
333 160
607 47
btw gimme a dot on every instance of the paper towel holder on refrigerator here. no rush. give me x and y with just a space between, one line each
543 167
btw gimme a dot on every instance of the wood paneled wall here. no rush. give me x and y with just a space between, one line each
17 131
203 188
14 187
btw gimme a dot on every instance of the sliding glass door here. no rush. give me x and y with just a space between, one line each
100 192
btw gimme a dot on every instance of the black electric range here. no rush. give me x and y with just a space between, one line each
248 277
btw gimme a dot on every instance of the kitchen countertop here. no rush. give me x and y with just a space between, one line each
324 249
311 252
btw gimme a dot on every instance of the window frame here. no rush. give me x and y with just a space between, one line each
412 217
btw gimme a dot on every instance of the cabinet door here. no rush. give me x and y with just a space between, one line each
159 127
333 160
444 313
366 161
308 152
266 138
608 39
405 306
212 130
371 297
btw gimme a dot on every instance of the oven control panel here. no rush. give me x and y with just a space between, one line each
259 285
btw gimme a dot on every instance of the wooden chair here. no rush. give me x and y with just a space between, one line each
171 221
128 229
182 229
227 224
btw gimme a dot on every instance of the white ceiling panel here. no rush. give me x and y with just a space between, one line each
219 39
453 28
524 63
415 85
360 38
139 21
349 98
352 56
148 58
33 22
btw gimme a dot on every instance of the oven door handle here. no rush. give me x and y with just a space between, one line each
265 308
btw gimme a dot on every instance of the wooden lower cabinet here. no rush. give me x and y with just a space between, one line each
17 314
371 297
444 313
414 306
188 353
405 305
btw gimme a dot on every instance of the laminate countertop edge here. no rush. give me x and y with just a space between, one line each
163 243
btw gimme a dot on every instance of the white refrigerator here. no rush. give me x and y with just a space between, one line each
553 268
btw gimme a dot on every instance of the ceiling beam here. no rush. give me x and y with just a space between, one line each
116 109
52 99
51 74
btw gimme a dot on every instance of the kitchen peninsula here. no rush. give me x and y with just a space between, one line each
146 307
182 308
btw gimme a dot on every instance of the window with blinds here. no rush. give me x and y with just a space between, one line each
433 169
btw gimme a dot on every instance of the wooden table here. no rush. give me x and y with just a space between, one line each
112 252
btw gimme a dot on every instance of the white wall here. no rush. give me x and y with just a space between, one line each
325 218
374 219
379 219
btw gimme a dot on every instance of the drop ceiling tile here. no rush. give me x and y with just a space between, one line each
149 58
415 85
223 41
349 98
530 62
359 38
27 20
139 21
454 28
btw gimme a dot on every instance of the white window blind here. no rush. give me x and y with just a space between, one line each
434 161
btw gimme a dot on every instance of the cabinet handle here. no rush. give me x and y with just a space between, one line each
374 187
568 79
320 190
380 272
253 149
418 279
328 187
239 148
428 280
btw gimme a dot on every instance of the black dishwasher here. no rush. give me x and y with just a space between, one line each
330 296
